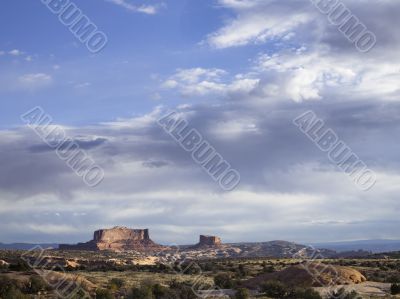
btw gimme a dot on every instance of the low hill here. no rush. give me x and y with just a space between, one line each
310 275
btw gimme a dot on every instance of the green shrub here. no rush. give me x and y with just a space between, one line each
341 293
209 267
269 269
37 284
104 294
3 267
10 288
6 284
20 266
242 294
242 271
182 290
144 292
394 278
161 292
224 281
303 294
116 284
15 293
177 290
81 294
395 289
274 289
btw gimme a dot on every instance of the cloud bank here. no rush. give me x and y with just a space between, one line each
288 190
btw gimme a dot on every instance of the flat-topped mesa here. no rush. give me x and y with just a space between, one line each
119 233
208 241
117 239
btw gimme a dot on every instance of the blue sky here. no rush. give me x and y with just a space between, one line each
120 81
239 71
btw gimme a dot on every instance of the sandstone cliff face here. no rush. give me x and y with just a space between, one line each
209 240
117 239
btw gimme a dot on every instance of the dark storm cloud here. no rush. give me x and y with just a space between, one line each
276 145
83 144
380 17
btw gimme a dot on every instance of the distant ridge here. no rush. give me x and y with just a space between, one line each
269 247
374 246
27 246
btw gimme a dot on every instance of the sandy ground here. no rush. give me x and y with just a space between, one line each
151 260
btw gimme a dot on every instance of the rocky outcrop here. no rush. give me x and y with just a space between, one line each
117 239
4 263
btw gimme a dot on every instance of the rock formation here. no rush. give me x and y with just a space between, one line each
117 239
208 241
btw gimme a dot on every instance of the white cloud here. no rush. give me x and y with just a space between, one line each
170 83
15 52
196 75
201 82
257 22
156 96
83 85
18 53
311 59
228 129
146 9
289 189
316 73
304 74
34 81
51 229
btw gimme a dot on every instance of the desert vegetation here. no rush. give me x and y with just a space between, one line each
119 275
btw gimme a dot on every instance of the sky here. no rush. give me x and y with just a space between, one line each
239 72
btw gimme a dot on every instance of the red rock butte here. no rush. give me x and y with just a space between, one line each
117 239
208 241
